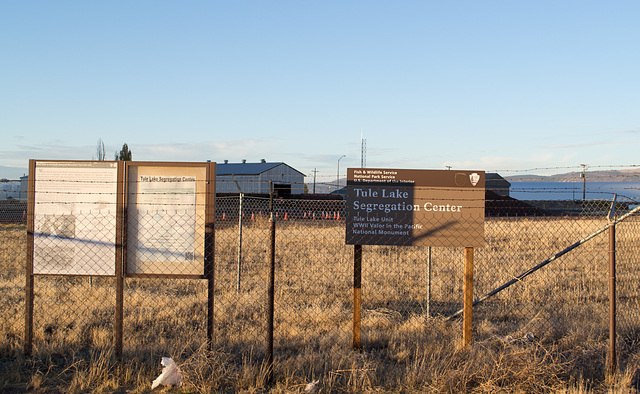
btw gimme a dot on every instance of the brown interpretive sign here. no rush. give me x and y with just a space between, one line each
415 207
166 212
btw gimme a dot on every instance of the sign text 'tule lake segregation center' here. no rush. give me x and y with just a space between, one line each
411 207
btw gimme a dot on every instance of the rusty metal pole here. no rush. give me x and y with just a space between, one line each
271 288
468 298
429 282
240 217
357 295
612 362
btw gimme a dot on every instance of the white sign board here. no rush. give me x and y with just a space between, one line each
166 223
75 218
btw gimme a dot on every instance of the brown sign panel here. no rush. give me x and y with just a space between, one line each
415 207
166 214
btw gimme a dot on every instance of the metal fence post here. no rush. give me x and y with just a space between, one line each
271 288
429 281
239 275
612 362
468 297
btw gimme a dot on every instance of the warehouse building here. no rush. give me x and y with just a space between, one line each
256 178
497 184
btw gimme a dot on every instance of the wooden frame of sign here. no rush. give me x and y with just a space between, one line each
80 215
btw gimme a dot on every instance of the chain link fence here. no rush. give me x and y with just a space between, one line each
402 286
13 255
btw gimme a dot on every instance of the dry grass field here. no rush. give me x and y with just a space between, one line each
547 333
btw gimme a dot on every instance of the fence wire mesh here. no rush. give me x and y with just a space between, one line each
402 286
13 255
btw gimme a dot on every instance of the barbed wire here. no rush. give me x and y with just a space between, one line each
578 166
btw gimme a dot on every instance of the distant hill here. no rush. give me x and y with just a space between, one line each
631 175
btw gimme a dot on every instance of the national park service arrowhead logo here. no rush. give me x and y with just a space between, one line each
474 178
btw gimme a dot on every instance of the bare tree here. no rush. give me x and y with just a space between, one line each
101 156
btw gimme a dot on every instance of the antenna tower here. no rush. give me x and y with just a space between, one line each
363 152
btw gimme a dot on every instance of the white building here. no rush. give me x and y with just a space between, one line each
257 178
10 189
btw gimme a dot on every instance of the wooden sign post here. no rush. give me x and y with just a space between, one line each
357 295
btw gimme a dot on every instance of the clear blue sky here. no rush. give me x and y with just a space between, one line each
487 85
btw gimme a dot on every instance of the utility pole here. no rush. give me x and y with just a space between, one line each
338 174
315 171
584 182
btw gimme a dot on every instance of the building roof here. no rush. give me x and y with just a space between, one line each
248 168
493 178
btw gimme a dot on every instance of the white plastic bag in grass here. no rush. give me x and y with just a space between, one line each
312 387
170 376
